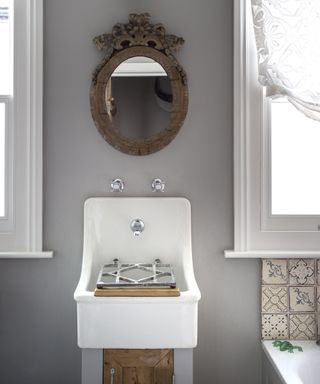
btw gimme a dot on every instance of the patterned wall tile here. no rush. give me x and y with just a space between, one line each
274 299
274 326
302 271
274 271
303 327
302 299
290 299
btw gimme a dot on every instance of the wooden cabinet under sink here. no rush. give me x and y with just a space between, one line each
138 366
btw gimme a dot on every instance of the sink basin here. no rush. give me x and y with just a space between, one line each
137 322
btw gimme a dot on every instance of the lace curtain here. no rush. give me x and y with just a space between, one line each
288 43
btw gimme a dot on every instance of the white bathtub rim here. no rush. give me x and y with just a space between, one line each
287 364
267 347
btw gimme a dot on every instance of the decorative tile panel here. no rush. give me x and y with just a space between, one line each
290 299
274 299
303 327
302 299
302 271
274 327
274 271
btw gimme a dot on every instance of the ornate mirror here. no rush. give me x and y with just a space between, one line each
139 94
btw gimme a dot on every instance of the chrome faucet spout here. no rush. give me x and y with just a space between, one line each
137 227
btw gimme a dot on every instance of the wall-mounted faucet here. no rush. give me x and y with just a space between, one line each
137 226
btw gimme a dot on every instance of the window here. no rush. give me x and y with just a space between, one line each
295 161
276 162
6 104
3 114
21 129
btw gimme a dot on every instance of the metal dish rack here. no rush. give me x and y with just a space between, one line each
136 275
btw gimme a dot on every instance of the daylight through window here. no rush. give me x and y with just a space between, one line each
295 158
6 87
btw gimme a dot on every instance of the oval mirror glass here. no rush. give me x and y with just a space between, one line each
139 90
139 98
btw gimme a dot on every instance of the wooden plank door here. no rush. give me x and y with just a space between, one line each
138 366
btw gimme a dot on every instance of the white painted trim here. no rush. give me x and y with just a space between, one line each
26 255
6 222
240 123
139 69
270 222
26 151
229 254
35 198
250 231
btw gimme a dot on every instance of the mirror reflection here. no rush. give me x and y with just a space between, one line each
139 98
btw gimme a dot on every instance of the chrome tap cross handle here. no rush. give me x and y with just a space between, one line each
157 185
117 185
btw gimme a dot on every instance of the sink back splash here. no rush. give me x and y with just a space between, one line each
290 299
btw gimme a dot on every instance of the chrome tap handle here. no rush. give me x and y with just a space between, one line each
117 185
157 185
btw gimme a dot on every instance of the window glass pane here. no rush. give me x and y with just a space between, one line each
6 51
2 158
295 164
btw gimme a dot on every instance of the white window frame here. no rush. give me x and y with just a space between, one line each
21 229
6 222
256 234
269 221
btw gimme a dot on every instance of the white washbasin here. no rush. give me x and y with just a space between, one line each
137 322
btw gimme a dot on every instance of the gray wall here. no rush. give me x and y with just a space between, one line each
138 114
37 311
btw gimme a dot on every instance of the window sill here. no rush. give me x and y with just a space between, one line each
230 254
26 255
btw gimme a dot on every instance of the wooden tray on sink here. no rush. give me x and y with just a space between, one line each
137 292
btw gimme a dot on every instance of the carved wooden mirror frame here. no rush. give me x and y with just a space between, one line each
138 38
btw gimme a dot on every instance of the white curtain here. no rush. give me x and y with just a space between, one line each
288 43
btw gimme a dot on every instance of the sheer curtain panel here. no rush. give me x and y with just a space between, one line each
288 44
